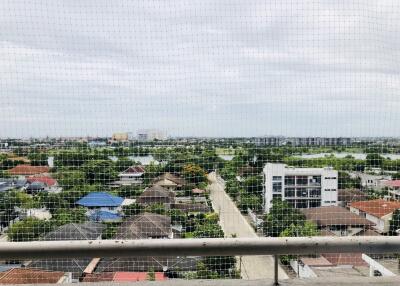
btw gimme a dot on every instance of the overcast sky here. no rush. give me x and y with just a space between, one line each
205 68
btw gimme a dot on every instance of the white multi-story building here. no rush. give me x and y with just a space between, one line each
300 187
150 135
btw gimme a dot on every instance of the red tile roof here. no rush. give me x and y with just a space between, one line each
28 170
122 276
29 276
43 179
393 183
377 208
137 276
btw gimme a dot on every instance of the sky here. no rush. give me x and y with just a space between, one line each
200 68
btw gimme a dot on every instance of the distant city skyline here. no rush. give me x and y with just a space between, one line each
228 68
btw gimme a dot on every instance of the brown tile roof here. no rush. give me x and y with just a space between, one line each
144 226
28 170
29 276
156 194
377 208
170 177
354 259
333 215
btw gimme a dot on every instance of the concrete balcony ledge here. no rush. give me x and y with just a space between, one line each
390 281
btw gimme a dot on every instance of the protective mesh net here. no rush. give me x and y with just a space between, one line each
148 119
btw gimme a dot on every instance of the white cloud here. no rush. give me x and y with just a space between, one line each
215 68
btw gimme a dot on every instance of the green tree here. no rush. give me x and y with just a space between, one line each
280 217
65 216
123 163
68 178
38 159
395 223
253 185
374 160
29 229
252 202
132 209
177 217
157 209
194 173
100 171
208 230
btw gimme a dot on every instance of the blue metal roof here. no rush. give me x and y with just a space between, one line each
100 199
104 216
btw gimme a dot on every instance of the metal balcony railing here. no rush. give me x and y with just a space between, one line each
200 247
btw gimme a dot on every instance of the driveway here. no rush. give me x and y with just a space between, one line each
233 223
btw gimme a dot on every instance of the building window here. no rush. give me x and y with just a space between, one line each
289 180
301 180
289 192
315 193
276 178
301 204
277 187
315 180
300 193
314 203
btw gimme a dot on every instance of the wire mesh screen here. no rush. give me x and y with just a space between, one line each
198 119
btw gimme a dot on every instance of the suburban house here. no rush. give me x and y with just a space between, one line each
132 175
300 187
348 196
101 201
337 220
156 195
144 226
49 184
377 211
169 181
33 276
393 188
28 170
371 181
76 231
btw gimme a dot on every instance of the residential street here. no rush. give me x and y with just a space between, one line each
232 222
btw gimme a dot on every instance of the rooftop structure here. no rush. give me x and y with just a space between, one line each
143 226
76 231
28 170
32 276
156 194
100 199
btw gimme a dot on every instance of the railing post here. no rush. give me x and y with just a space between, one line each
276 273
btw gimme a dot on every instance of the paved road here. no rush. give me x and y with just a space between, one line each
233 222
